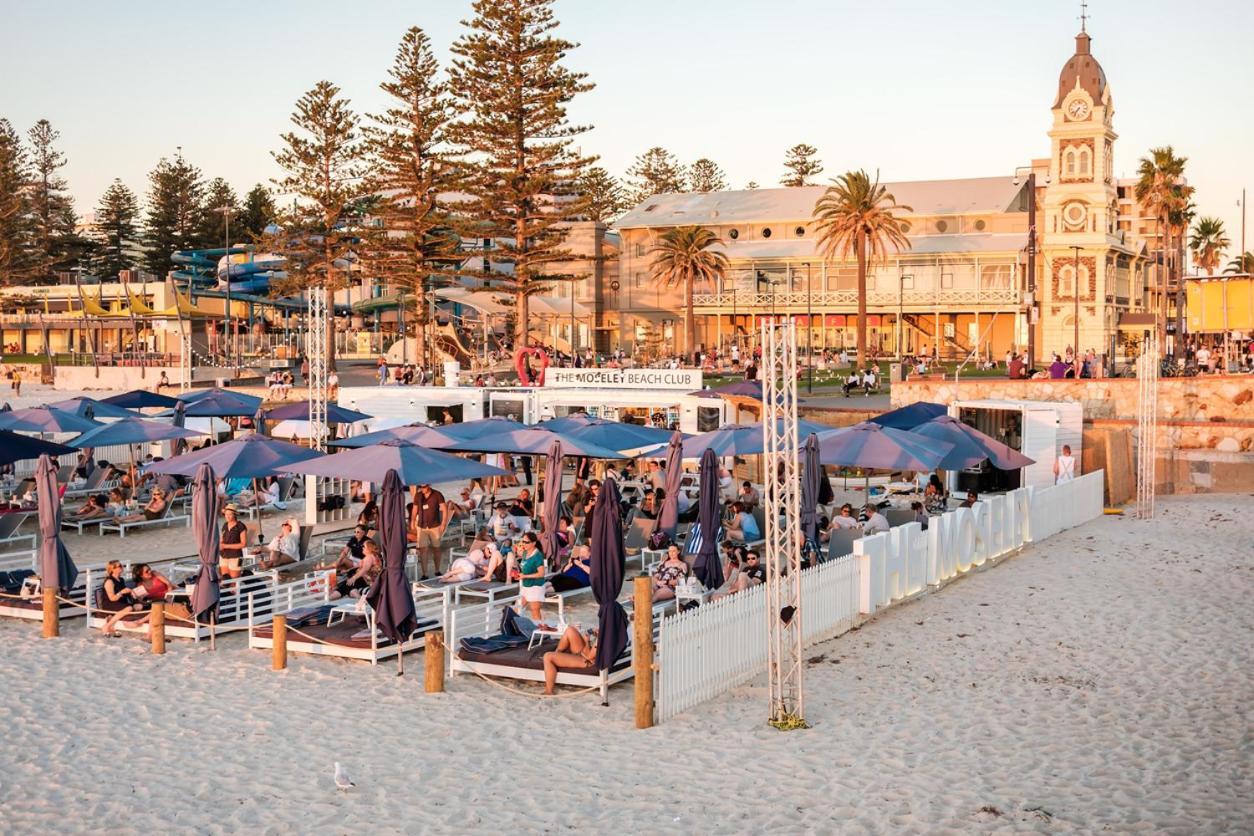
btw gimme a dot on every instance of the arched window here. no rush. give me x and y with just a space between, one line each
1086 162
1068 159
1066 281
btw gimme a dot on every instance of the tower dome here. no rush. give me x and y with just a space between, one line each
1084 70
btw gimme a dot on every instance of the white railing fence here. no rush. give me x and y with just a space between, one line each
707 651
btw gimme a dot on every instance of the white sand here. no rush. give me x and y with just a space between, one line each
1099 683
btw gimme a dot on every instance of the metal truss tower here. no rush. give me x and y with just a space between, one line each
316 351
1147 428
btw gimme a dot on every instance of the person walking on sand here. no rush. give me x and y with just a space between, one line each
1064 466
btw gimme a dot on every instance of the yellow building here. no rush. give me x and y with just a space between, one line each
961 287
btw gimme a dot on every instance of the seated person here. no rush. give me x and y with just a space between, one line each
284 548
751 573
356 583
369 516
748 496
501 564
352 552
575 573
574 650
523 505
153 510
149 586
468 568
467 502
649 506
669 574
268 494
115 595
92 508
501 525
854 381
742 526
875 521
972 498
117 503
172 485
920 515
565 538
934 496
844 520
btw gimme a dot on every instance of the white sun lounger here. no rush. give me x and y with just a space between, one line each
165 519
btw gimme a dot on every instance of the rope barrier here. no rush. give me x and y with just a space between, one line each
514 690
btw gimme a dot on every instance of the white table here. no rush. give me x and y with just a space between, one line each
699 594
551 632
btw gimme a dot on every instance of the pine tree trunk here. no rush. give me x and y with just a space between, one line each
421 324
330 313
861 245
522 337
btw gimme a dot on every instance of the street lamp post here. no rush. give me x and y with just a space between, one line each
809 329
1075 352
1031 293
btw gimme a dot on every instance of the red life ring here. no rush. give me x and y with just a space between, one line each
524 370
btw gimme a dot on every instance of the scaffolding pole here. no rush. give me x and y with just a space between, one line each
783 525
316 351
1147 428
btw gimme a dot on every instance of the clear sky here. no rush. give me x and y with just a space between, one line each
916 88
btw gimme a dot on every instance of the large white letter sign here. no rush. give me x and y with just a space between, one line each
942 548
998 523
916 558
983 534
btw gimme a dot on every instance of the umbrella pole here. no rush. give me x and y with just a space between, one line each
213 631
400 660
257 505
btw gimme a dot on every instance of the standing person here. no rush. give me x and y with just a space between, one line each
1064 466
383 371
234 539
531 571
430 520
304 368
17 380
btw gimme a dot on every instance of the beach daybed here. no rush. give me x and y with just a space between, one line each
523 662
16 568
345 628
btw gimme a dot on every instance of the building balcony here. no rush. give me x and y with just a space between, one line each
728 301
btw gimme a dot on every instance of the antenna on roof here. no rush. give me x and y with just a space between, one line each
1084 15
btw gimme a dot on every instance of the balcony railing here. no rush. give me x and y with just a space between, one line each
875 298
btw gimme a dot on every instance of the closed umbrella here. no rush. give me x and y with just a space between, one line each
415 465
970 445
668 517
909 417
45 419
205 530
180 421
15 447
390 596
552 500
56 569
705 563
872 447
141 399
811 476
606 575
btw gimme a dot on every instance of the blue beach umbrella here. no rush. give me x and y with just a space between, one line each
220 403
45 419
413 464
15 447
872 447
93 409
141 399
909 417
251 456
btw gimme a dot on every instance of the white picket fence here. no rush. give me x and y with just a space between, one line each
710 650
704 652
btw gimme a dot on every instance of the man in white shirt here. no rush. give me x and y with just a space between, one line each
875 521
502 525
1203 359
1064 466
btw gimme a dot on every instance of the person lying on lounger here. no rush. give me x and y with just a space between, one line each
283 549
669 574
575 573
91 509
574 651
117 596
468 568
153 510
149 586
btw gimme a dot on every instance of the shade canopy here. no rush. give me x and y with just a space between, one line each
532 441
15 447
909 417
56 569
130 431
570 422
620 436
220 403
93 409
873 447
971 447
390 595
45 419
739 439
205 531
423 436
141 399
605 573
251 456
413 464
299 411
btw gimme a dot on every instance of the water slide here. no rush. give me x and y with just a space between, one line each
248 271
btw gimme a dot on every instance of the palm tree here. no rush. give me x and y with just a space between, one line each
1160 190
855 215
1208 243
683 257
1243 263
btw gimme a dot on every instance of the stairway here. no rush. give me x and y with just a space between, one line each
925 324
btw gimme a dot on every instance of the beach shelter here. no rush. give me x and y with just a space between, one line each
570 422
413 464
390 596
811 477
251 456
141 399
909 417
872 447
668 517
481 427
423 436
56 569
93 409
205 531
45 419
15 447
606 565
532 441
552 500
971 446
130 431
299 411
706 564
220 403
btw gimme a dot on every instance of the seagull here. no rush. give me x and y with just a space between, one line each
341 778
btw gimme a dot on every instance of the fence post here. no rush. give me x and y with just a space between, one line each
52 613
642 651
156 626
279 656
433 662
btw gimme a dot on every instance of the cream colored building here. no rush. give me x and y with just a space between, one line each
962 285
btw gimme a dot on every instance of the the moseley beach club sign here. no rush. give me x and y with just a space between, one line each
688 380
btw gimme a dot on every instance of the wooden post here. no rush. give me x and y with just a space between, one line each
279 655
642 651
156 627
433 662
52 613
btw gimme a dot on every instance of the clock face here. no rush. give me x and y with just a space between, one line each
1078 109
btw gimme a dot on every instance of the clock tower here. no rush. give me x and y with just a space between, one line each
1081 210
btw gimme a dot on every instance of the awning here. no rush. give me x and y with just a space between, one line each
1137 321
484 301
556 306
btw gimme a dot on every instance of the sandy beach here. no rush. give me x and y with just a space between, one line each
1098 683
